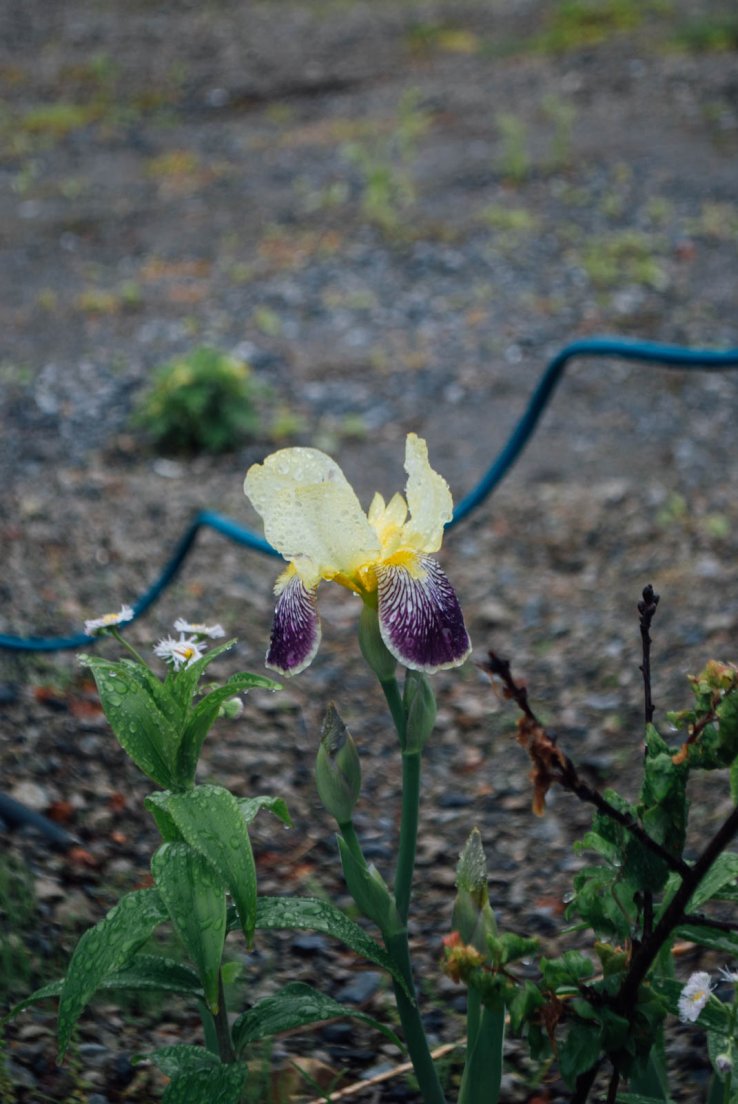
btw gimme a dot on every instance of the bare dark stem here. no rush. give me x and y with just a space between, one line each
647 609
584 1084
565 773
674 914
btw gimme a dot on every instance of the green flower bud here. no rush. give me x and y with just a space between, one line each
472 916
231 708
337 768
420 710
373 648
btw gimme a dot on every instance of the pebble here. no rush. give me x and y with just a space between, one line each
360 988
32 795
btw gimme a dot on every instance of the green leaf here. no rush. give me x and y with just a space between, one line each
134 709
296 1005
579 1052
102 950
175 1060
205 712
211 821
53 989
154 972
717 940
312 914
250 806
723 872
195 898
156 803
220 1085
636 1098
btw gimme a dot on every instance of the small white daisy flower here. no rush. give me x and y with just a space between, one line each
180 653
694 996
211 632
108 620
731 976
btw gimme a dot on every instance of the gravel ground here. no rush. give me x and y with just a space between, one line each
203 180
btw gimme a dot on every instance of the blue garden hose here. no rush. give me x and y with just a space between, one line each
668 356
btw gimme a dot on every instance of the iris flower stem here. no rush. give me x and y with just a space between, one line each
397 942
391 691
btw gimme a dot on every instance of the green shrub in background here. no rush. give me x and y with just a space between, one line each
201 402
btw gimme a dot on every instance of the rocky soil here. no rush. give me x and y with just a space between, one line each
396 213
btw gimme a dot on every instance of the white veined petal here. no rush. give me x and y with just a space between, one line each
419 616
296 626
310 512
428 497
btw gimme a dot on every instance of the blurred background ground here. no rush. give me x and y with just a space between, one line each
395 213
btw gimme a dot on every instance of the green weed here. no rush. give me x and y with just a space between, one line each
203 402
514 161
622 258
384 166
708 34
17 915
574 24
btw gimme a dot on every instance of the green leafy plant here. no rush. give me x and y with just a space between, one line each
201 402
204 877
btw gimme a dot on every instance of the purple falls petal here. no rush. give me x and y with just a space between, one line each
420 618
295 630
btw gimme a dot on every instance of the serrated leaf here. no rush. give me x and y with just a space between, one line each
312 914
220 1085
251 806
211 821
195 899
141 726
102 950
579 1051
296 1005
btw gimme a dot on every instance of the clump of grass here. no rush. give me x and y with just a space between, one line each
17 915
625 257
573 24
202 402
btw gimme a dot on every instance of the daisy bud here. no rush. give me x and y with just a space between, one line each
337 768
723 1063
231 709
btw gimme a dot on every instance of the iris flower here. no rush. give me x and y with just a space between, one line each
313 518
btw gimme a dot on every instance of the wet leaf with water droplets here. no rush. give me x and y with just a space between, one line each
294 1006
195 899
142 715
102 950
312 914
250 806
221 1085
211 821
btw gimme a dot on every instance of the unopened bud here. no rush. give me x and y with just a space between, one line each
472 916
231 708
420 710
337 768
723 1063
373 648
